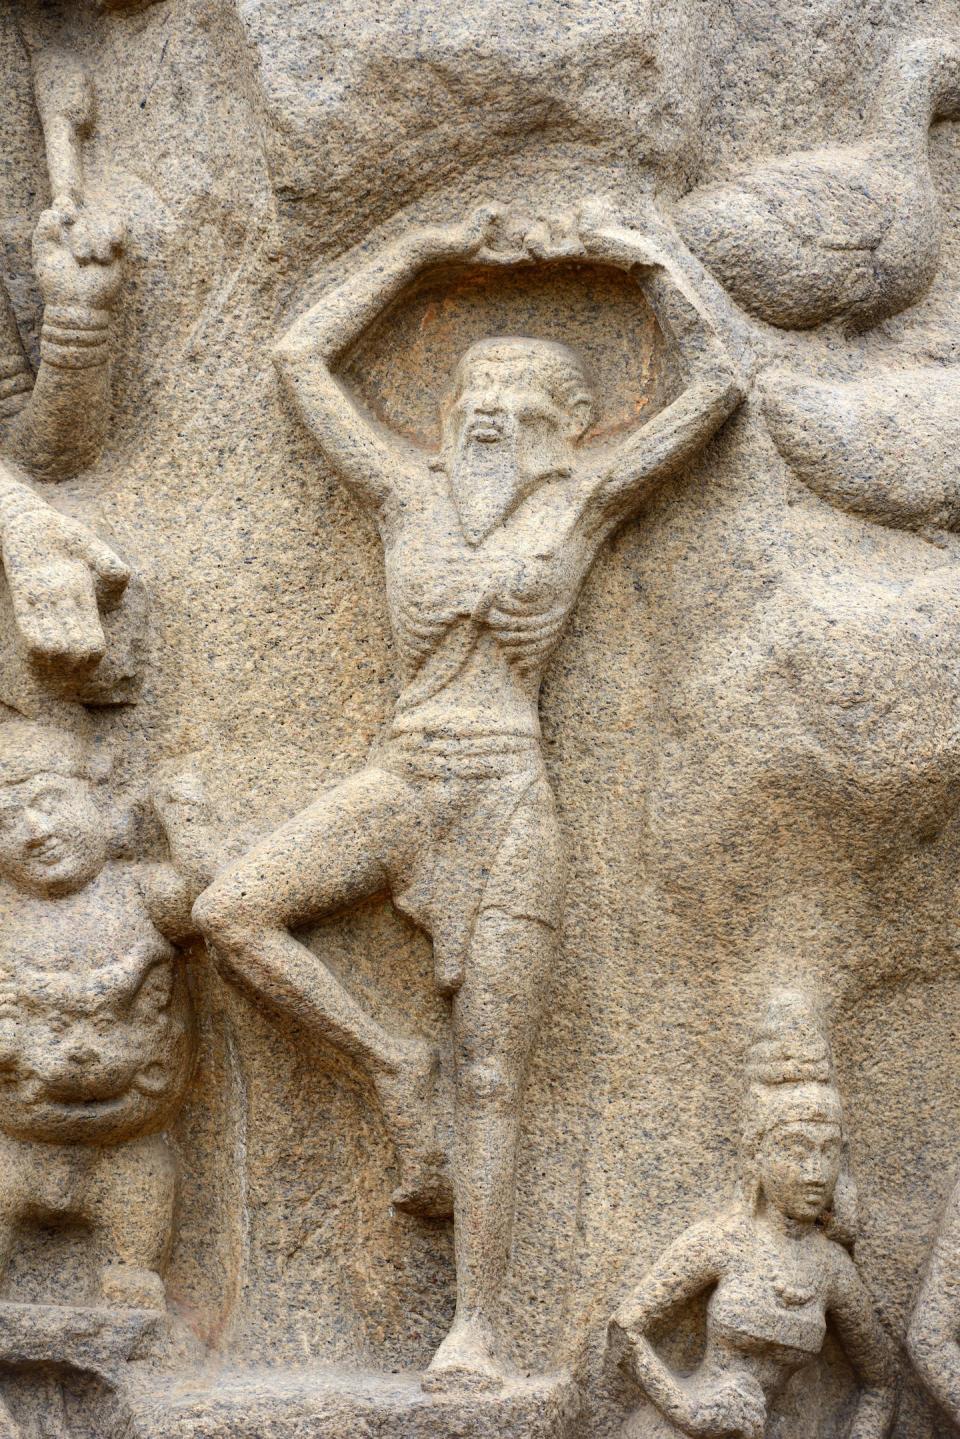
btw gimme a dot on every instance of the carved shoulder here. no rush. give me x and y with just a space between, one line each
691 1263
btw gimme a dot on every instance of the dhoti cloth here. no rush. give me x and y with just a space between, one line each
491 838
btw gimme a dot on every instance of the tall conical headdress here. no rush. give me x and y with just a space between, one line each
791 1079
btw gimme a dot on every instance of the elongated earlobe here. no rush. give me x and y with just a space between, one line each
582 413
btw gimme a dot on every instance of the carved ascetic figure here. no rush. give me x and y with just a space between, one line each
96 1019
934 1335
487 546
775 1275
59 573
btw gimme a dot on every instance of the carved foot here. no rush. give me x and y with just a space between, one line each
129 1288
465 1361
408 1099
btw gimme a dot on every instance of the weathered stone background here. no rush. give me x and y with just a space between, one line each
752 724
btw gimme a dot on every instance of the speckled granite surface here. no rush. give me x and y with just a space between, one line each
623 658
332 1401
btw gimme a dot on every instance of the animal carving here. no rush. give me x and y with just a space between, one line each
850 232
884 448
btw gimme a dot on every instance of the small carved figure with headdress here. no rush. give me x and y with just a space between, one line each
776 1264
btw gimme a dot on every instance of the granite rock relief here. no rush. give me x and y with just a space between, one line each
724 688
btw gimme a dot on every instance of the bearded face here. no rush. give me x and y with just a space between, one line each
507 432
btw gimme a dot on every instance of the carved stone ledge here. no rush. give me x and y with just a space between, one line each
95 1341
342 1404
62 1365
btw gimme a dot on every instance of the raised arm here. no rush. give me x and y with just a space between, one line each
620 484
933 1338
61 428
364 452
868 1349
671 440
77 249
692 1264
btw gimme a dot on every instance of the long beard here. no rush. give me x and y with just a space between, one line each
487 484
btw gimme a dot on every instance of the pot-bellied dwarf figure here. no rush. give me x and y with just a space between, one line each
97 1030
487 547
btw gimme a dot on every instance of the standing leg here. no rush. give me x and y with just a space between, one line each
17 1161
495 1015
130 1202
19 1187
331 855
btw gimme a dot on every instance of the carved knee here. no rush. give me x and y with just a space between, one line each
220 915
487 1082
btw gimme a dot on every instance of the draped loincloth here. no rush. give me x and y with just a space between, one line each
492 839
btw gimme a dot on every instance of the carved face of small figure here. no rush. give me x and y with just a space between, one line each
517 411
96 1018
799 1164
54 838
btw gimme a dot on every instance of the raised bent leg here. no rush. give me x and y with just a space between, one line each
331 855
325 858
130 1202
496 1014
